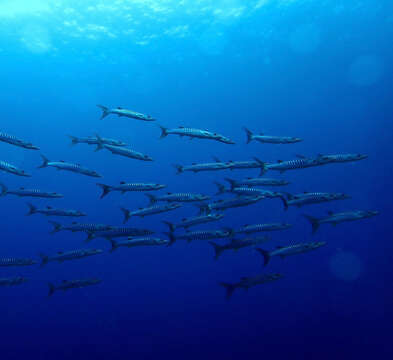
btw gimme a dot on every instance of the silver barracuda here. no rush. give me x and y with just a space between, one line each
151 210
195 133
259 181
177 197
22 192
270 139
10 139
50 211
18 280
136 242
338 218
284 251
121 112
196 220
66 285
12 169
249 229
300 200
124 187
69 255
248 282
62 165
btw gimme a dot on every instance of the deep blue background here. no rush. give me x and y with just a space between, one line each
223 74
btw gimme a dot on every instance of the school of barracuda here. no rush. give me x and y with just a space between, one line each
244 192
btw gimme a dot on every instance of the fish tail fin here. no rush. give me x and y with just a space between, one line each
203 208
152 198
265 254
179 168
231 182
44 259
126 214
105 111
285 202
313 221
100 144
250 135
220 187
263 165
114 245
52 289
32 209
171 236
45 162
230 288
4 189
164 131
74 140
105 189
218 249
56 227
90 236
171 226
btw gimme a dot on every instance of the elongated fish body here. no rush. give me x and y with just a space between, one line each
122 151
119 232
151 210
19 280
177 197
229 203
119 111
22 192
91 140
242 165
134 242
337 218
10 139
8 262
69 255
236 244
312 198
296 164
203 167
195 133
260 181
341 158
124 187
72 284
248 282
249 229
62 165
196 220
200 235
49 211
78 227
284 251
246 191
6 167
270 139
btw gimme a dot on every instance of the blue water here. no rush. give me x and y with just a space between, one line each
319 70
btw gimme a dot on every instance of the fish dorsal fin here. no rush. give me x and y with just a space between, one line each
78 164
120 108
300 156
279 247
62 161
122 182
279 161
169 193
64 281
49 207
243 278
261 134
181 127
74 222
216 159
60 252
330 212
184 219
193 163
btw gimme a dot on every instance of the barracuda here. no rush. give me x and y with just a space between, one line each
270 139
62 165
121 112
